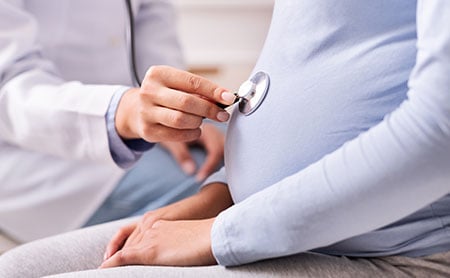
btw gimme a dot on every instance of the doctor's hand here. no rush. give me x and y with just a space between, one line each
212 140
170 106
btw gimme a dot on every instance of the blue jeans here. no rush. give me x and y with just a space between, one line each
155 181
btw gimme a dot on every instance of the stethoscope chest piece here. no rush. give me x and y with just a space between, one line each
252 92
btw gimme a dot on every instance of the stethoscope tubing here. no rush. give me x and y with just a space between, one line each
131 45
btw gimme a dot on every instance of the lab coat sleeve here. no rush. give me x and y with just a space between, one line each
40 111
385 174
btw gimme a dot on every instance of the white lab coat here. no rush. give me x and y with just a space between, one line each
61 61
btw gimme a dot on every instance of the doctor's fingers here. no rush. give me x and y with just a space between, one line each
189 103
186 82
213 140
158 133
210 165
171 118
180 152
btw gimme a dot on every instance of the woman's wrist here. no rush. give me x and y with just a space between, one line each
209 202
215 198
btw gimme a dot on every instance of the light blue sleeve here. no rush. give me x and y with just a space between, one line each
219 176
385 174
124 153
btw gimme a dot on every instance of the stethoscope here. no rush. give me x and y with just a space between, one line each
131 45
249 96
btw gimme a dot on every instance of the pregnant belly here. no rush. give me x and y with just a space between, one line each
297 124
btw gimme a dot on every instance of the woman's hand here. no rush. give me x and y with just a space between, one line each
208 203
129 232
212 140
174 243
170 106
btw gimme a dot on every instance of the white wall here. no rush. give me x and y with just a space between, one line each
222 38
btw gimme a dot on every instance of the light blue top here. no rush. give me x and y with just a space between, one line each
350 151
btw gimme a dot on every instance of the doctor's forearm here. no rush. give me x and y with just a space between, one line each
39 110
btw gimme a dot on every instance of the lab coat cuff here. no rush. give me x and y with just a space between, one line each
124 152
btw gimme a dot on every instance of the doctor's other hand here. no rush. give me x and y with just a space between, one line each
170 106
213 142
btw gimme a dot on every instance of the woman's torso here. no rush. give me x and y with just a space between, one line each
336 70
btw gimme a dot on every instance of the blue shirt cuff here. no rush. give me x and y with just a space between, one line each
124 152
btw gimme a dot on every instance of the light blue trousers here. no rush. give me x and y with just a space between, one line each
155 181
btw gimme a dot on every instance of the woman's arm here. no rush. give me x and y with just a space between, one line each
210 201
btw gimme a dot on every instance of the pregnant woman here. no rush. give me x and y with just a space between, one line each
342 170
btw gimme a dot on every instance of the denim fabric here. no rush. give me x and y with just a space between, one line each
156 180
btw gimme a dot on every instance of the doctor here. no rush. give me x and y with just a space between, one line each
70 121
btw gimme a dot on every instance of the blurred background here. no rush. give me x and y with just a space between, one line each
223 38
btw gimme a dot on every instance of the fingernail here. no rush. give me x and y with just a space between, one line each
105 256
188 167
228 97
223 116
